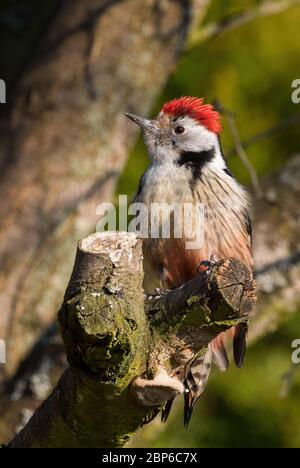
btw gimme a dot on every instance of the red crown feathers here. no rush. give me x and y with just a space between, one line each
194 107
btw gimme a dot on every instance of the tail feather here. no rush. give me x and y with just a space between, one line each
240 343
166 410
199 370
219 353
196 381
150 416
188 408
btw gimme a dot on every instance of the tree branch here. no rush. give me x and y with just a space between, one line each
84 52
240 150
264 9
276 250
113 338
269 133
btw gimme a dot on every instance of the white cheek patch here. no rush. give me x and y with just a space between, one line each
196 137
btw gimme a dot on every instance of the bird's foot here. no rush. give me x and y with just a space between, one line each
158 293
207 265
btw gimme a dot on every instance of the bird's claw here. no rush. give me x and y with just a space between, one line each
207 265
158 293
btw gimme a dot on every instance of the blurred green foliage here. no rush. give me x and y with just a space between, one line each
250 71
242 408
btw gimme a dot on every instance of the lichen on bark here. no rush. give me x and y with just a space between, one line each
123 352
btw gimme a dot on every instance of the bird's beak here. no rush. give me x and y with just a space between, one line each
150 126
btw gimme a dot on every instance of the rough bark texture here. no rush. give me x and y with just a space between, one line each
66 141
276 249
111 337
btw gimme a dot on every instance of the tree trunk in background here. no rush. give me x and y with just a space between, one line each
276 225
277 259
68 141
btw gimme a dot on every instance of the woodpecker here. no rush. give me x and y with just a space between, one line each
188 166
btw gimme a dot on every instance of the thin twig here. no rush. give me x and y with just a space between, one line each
266 8
269 133
284 264
288 380
243 156
240 151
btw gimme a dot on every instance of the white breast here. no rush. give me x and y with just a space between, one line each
163 183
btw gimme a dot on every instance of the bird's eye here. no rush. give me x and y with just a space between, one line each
179 130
